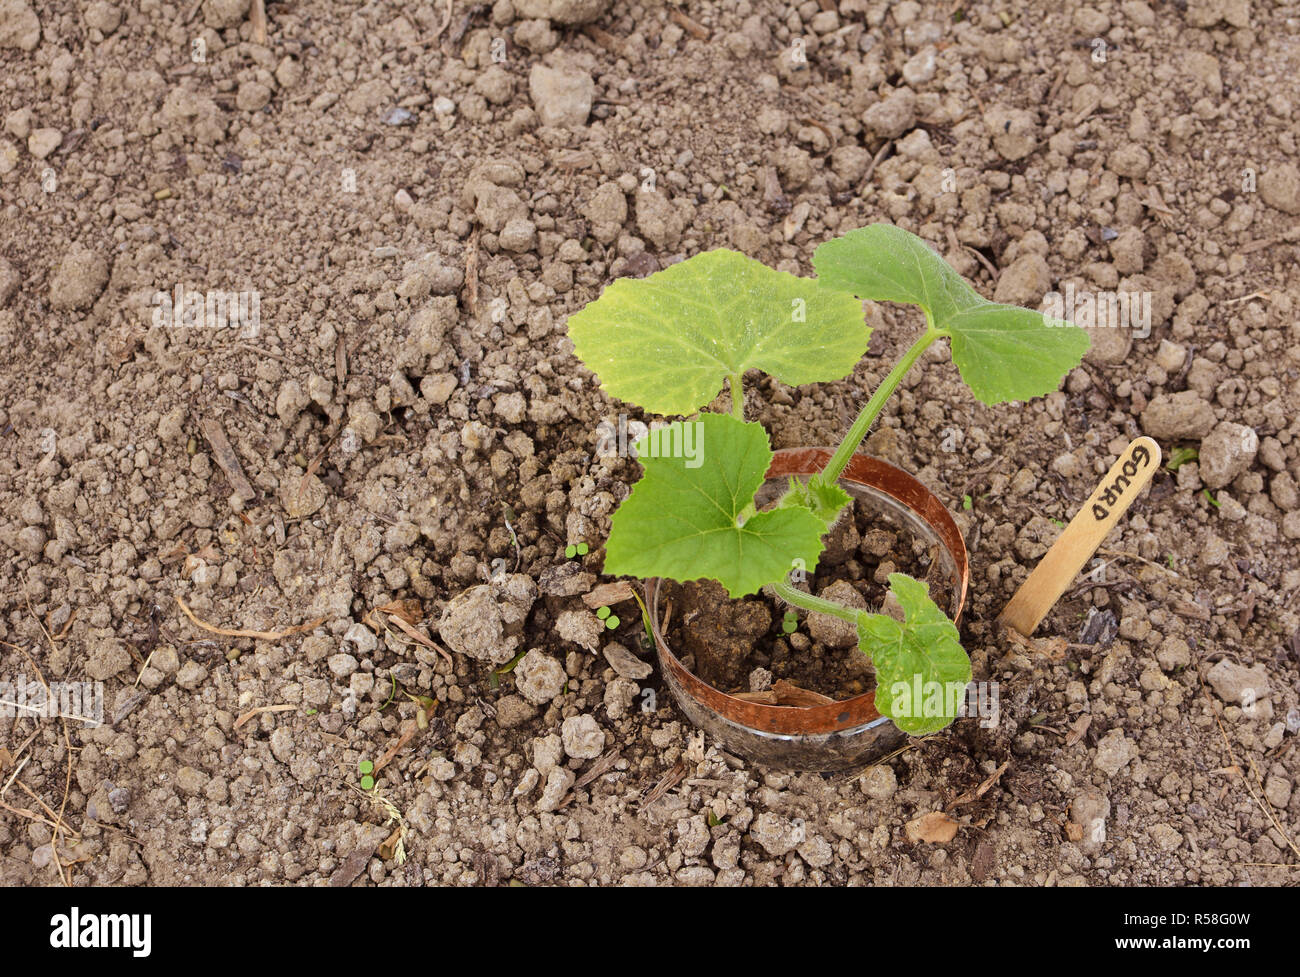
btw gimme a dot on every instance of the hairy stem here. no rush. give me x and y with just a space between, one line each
792 595
737 396
862 424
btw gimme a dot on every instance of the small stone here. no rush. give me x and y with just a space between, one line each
1165 837
1090 811
893 115
561 97
581 628
81 276
558 783
119 799
1173 653
1226 452
107 657
514 710
361 638
1277 791
1236 684
1024 282
1170 356
282 744
1131 160
1114 751
920 68
252 95
519 235
191 675
565 12
566 579
1181 416
342 665
1279 187
625 663
777 835
42 142
19 25
539 677
1014 132
583 738
833 631
879 782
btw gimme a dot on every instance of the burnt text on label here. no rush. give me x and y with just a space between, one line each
1138 459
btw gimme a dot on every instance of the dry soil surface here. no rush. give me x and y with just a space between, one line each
417 196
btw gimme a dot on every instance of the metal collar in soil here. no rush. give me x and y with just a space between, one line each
833 717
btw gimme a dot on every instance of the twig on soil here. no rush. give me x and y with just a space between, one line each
60 827
606 40
282 707
226 459
973 795
471 274
1261 802
669 780
988 265
881 153
257 18
246 633
313 466
602 765
409 729
694 28
608 594
415 635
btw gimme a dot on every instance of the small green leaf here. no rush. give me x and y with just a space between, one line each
824 501
921 669
367 782
583 549
602 613
967 503
1003 352
365 767
1210 498
612 622
667 342
1181 456
682 522
570 551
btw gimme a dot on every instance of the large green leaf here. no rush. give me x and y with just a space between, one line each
668 341
1003 352
921 669
683 519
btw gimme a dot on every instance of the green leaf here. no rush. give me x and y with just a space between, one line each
681 522
1181 456
921 669
667 342
1003 352
824 501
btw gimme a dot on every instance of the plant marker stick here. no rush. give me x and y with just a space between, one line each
1075 546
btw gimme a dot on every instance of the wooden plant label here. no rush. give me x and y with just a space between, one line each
1075 546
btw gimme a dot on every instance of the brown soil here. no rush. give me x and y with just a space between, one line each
724 641
419 218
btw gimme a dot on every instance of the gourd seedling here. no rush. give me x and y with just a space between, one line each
667 342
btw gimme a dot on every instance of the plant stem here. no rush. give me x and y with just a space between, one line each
737 396
844 453
792 595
